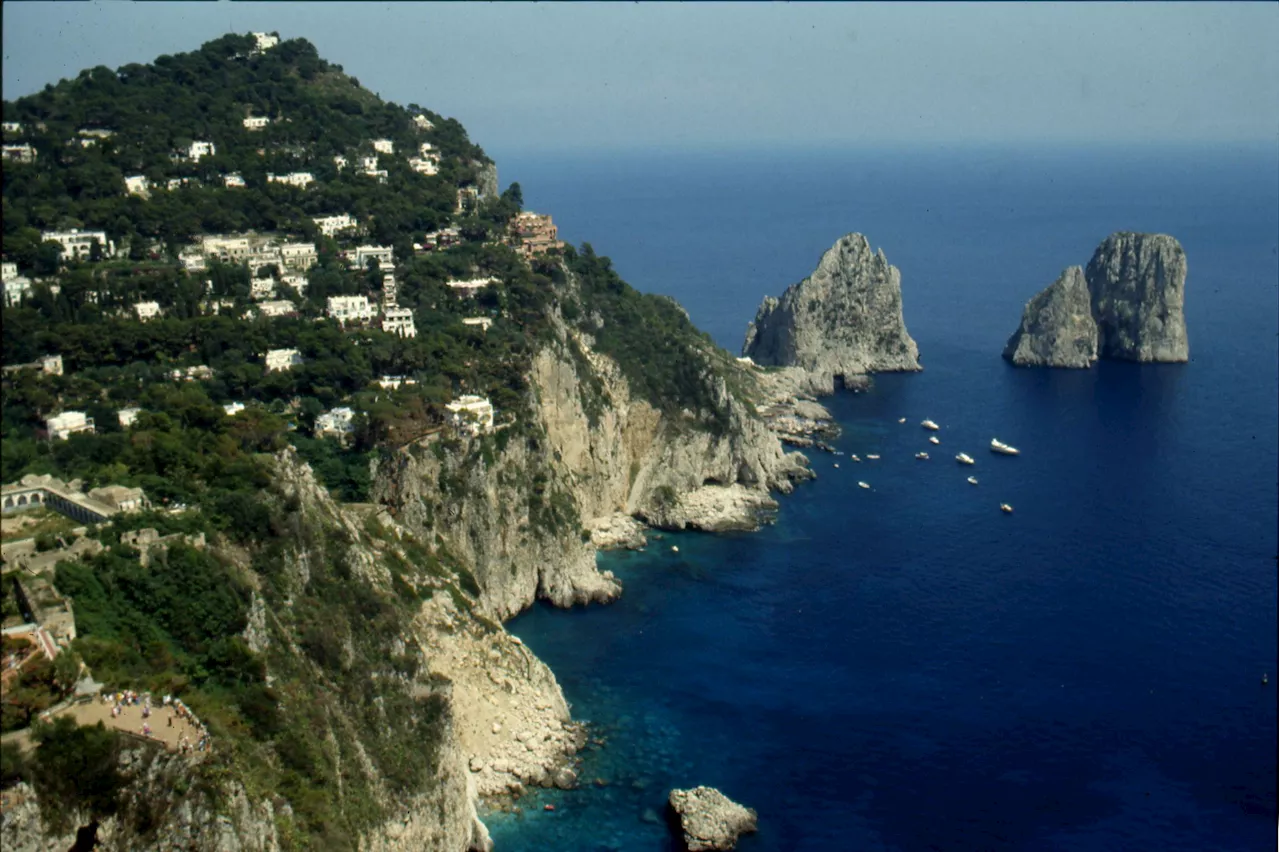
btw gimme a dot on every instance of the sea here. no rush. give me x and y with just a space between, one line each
905 667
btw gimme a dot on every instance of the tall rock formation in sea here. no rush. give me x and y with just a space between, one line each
844 320
1132 292
1057 326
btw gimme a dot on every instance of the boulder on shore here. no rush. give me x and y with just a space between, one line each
843 321
710 820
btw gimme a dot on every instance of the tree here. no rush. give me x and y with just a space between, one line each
75 769
514 196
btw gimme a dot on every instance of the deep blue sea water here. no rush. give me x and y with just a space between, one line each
906 668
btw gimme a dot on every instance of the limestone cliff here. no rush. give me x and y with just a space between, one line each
1137 283
1126 305
843 321
1057 327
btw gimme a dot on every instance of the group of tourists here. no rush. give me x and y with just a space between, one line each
176 708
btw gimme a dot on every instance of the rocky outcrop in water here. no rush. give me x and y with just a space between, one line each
1057 326
1126 305
710 820
843 321
1137 282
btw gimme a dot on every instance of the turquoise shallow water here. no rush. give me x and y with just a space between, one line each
907 668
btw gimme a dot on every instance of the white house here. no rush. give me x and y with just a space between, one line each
23 153
347 309
380 175
472 415
264 41
298 179
482 323
178 183
298 255
277 308
76 244
137 185
296 280
192 373
255 122
423 123
423 166
51 364
68 423
232 249
262 288
394 382
191 259
92 134
384 146
16 287
382 254
340 161
399 321
233 408
126 416
147 310
330 225
11 126
233 181
201 149
282 359
471 286
336 422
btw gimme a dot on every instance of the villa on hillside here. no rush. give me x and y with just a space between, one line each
335 423
282 359
146 310
531 234
68 423
77 244
399 321
256 122
298 255
471 286
382 254
298 179
472 415
98 505
347 309
331 225
23 153
126 416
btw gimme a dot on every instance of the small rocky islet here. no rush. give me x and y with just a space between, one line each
1126 305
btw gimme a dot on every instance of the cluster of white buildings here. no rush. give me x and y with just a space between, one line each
333 225
471 286
299 179
22 153
335 423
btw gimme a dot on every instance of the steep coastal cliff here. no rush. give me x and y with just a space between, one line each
1126 305
843 321
1057 326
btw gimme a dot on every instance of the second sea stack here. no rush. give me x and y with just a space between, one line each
1126 305
844 320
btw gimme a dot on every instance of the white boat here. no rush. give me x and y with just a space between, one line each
930 425
854 457
837 464
973 480
863 485
998 446
934 440
1006 508
964 458
873 458
902 420
675 549
922 456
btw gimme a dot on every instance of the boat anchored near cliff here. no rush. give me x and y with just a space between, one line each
998 446
964 458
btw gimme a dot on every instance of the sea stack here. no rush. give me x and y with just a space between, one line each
1134 287
1057 326
843 321
708 820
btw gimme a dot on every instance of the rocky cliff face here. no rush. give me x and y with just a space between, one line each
1057 326
1126 305
844 320
1137 283
520 518
487 180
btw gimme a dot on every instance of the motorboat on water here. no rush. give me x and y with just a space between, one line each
854 457
998 446
873 458
930 425
863 484
973 480
964 458
934 440
902 420
1006 508
837 465
922 456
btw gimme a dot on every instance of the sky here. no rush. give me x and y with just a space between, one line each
738 75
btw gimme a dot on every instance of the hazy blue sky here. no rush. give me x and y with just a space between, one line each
746 75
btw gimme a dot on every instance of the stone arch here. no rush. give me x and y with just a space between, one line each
8 502
36 498
22 499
